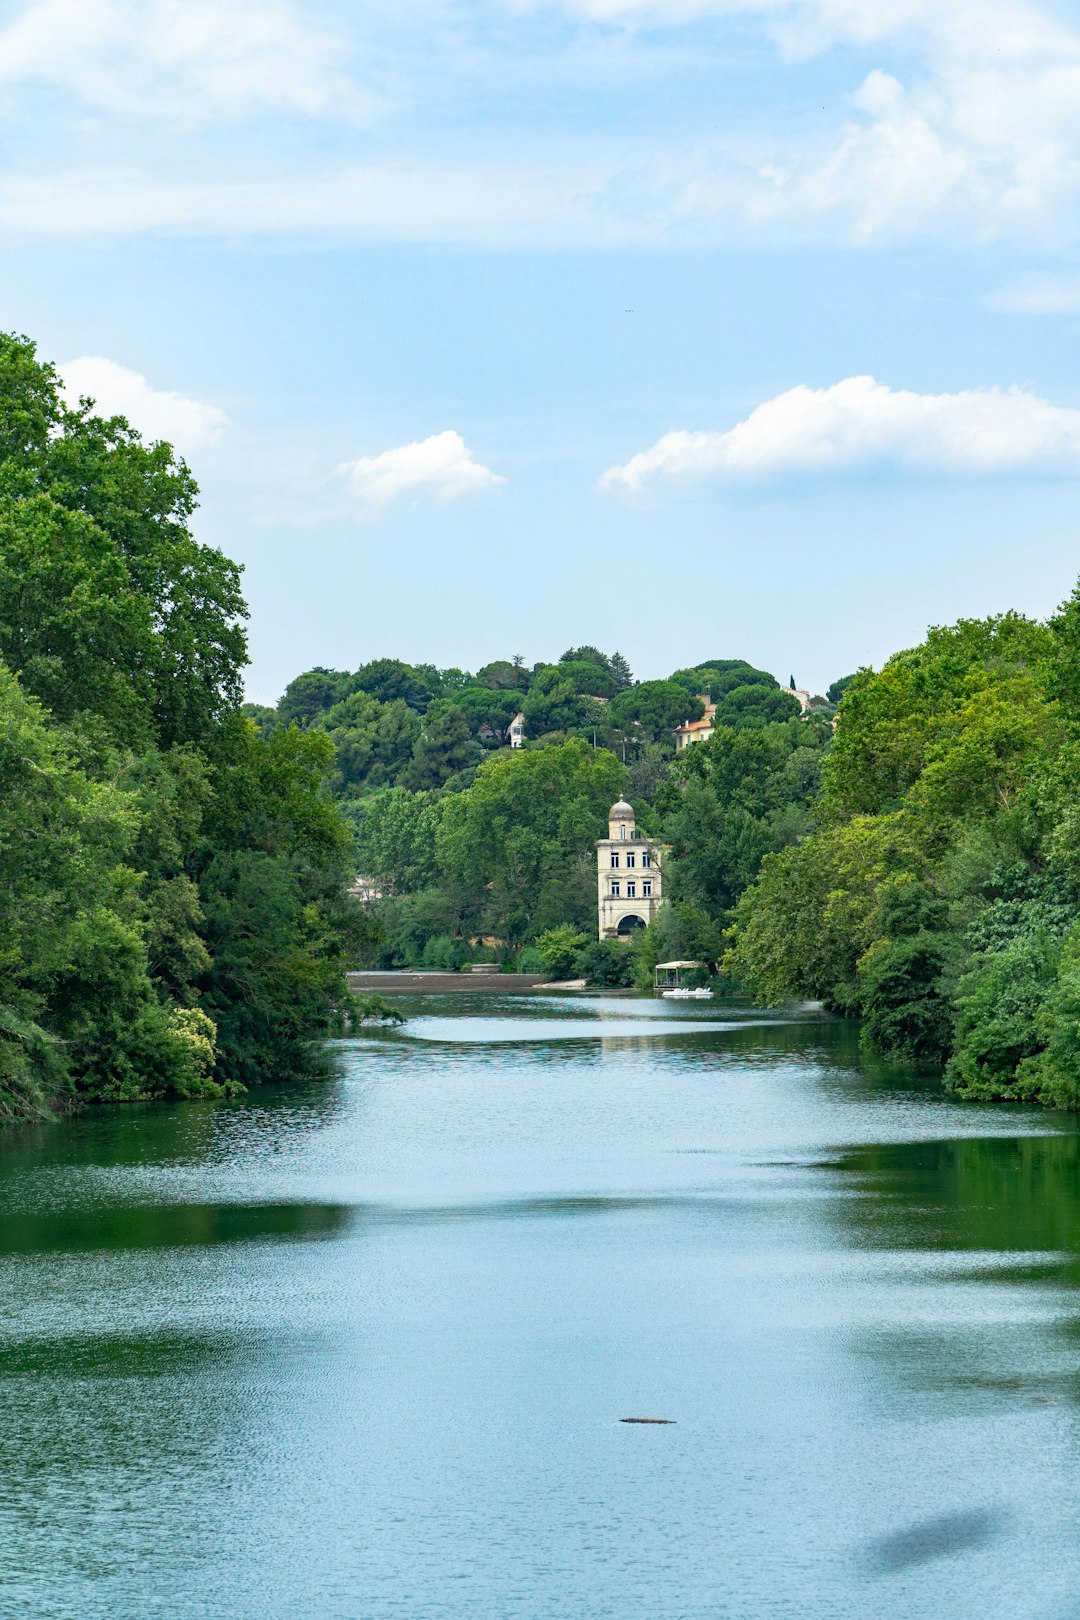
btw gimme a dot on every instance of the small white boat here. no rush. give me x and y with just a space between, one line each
700 994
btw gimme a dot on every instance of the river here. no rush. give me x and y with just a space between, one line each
362 1348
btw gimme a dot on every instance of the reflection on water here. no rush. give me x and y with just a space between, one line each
155 1226
940 1537
364 1348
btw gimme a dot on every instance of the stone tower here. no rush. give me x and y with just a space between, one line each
629 882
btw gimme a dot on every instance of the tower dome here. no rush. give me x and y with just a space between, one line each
621 811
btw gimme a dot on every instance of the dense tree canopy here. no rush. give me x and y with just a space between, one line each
174 918
940 899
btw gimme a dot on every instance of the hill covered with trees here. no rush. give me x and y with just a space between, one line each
467 840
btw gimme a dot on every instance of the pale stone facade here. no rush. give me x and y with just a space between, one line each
629 880
692 731
517 731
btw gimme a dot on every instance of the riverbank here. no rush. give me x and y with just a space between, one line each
418 981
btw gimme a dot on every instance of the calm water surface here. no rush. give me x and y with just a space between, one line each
361 1349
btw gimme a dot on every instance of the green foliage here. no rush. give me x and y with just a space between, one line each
615 668
373 741
998 1006
727 804
396 839
942 898
174 920
559 950
312 694
484 706
965 709
503 675
653 709
374 1010
1052 1075
443 748
755 704
122 615
907 1012
802 927
719 676
608 964
554 704
521 839
389 680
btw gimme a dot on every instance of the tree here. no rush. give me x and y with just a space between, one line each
620 669
529 821
802 926
755 705
443 748
100 579
893 724
608 964
280 928
836 691
79 1012
503 675
1000 1002
176 872
586 678
554 705
388 678
729 802
653 709
373 741
261 715
488 706
312 694
906 1005
560 949
396 837
719 676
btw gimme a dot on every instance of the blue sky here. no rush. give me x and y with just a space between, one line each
492 328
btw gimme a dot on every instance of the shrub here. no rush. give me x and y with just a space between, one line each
560 949
607 963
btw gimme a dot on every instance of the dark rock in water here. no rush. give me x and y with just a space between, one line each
646 1420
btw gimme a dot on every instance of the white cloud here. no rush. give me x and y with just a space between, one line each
180 59
981 135
442 464
436 202
157 413
862 424
961 120
1039 295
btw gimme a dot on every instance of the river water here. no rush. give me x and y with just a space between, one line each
361 1349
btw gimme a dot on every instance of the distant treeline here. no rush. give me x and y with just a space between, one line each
477 850
173 914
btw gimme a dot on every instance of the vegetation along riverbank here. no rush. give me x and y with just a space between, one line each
176 864
174 918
